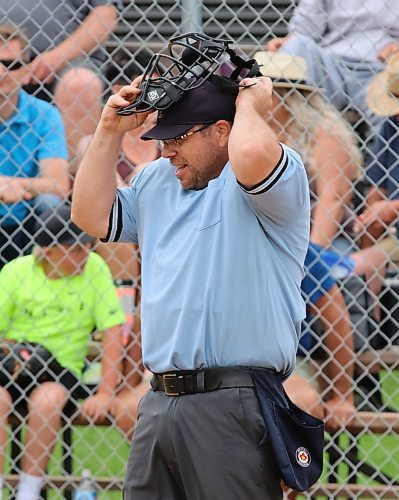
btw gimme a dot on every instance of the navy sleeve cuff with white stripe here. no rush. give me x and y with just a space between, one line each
271 179
115 222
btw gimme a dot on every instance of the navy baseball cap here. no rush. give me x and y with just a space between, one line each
205 104
55 227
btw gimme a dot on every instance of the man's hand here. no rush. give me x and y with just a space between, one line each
276 44
113 122
385 53
97 407
378 215
255 93
45 66
12 190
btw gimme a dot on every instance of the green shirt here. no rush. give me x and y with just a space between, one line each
59 314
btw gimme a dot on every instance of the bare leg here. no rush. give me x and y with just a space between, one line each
44 421
78 97
5 409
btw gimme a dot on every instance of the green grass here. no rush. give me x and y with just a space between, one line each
383 451
105 453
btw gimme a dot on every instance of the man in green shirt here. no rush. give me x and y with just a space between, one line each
55 297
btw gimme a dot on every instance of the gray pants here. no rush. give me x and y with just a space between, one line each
206 446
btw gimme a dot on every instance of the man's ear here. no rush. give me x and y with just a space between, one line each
222 130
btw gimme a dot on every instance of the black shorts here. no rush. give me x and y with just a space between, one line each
19 393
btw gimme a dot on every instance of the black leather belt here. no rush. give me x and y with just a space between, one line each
191 382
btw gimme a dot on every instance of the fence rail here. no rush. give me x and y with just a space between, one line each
148 25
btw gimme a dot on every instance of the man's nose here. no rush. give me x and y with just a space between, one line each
168 151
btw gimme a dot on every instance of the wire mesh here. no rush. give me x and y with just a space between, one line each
348 176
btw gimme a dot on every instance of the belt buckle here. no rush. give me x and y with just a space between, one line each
168 379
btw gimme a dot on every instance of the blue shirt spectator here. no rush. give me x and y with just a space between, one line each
33 133
33 155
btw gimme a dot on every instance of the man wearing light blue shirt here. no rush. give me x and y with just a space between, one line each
222 221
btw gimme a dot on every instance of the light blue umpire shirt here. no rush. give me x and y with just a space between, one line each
221 267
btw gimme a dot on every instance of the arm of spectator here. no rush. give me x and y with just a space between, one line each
335 171
53 179
369 235
93 31
98 406
339 407
133 369
386 52
96 173
133 364
377 217
254 150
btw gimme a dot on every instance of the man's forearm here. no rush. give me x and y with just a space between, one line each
253 147
94 30
111 360
96 183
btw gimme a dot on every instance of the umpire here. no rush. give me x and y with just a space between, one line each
222 220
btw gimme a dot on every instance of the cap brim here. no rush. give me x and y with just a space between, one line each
378 99
163 132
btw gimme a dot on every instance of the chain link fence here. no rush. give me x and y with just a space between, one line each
336 144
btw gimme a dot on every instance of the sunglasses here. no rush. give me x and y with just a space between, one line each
178 140
12 64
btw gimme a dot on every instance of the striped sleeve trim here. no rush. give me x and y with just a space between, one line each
115 222
272 178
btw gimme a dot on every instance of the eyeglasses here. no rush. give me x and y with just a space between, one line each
11 64
176 142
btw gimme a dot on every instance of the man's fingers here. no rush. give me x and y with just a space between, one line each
128 91
136 82
124 97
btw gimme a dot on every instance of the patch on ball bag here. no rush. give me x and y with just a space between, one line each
303 457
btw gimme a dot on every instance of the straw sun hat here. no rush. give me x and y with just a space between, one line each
285 70
383 91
